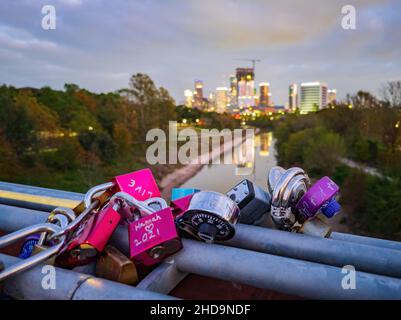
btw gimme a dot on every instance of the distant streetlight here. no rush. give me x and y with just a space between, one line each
184 121
397 125
90 128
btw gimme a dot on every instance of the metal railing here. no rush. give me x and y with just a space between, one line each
286 262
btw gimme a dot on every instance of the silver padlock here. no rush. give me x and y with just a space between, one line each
286 188
210 216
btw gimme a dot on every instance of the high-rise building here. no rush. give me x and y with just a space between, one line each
198 96
264 94
313 96
293 97
332 96
246 87
233 94
188 98
211 102
221 99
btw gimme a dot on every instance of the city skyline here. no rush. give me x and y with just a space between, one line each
171 42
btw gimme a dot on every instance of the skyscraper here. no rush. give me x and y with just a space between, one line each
188 98
293 96
198 96
332 96
264 94
221 99
233 94
313 96
246 87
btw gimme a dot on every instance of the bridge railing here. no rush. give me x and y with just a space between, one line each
289 263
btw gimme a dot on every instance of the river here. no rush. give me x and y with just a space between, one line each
222 177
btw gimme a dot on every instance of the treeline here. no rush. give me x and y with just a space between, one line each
73 138
364 129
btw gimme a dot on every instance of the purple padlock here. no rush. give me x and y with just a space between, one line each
321 196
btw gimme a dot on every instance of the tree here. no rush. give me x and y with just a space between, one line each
391 93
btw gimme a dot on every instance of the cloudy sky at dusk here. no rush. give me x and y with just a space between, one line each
99 44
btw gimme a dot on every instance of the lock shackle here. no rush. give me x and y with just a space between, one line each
76 223
67 212
89 195
296 188
35 259
142 206
282 183
58 219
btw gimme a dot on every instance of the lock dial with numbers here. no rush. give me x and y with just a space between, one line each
212 216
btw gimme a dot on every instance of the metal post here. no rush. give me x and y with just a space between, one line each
70 285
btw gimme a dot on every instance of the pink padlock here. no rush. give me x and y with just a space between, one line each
153 238
180 205
140 184
91 237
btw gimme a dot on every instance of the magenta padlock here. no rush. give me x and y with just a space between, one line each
140 184
320 197
91 237
153 237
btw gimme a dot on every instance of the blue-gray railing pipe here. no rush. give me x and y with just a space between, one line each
286 275
332 252
292 276
69 285
74 196
389 244
327 251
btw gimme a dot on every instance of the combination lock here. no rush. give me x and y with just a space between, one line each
252 200
210 216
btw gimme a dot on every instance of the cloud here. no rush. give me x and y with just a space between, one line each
98 44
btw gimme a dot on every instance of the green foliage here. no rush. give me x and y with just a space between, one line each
73 138
99 143
315 149
374 203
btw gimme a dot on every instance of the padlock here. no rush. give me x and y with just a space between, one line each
115 266
140 184
177 193
252 200
180 205
210 216
152 232
90 237
28 246
30 242
153 237
320 198
286 188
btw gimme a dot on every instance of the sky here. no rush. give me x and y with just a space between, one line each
100 44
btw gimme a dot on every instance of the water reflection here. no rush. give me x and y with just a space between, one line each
221 177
